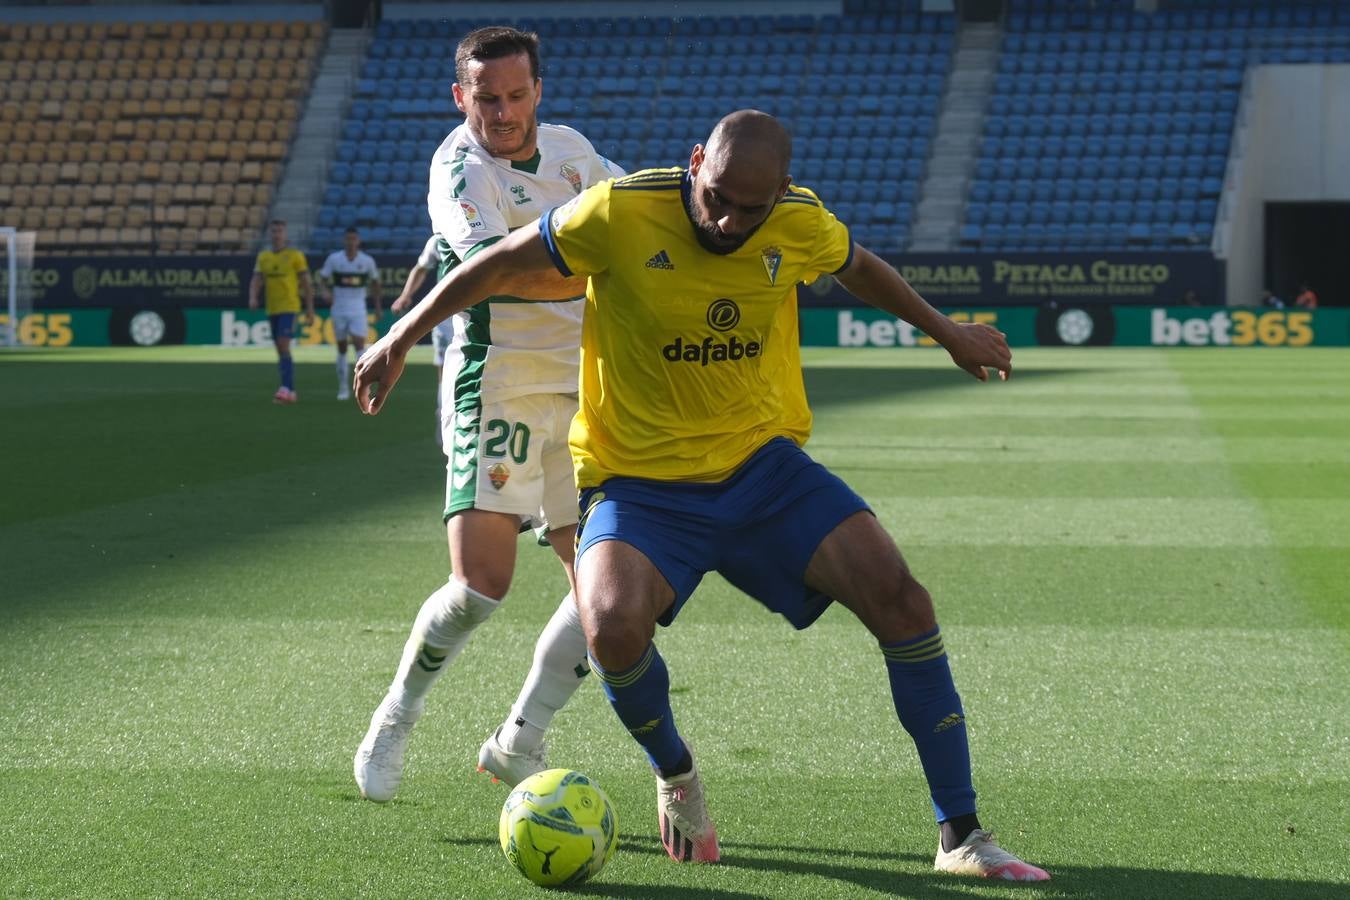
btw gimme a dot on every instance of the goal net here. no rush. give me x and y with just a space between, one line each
16 273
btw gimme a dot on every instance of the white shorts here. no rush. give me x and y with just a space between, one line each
441 336
350 325
512 457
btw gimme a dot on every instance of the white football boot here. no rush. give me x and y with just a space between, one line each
378 765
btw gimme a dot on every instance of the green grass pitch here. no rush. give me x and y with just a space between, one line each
1139 557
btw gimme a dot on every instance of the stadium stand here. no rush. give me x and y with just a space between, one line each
160 136
646 89
1110 128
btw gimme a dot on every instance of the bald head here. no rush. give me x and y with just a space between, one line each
749 139
738 177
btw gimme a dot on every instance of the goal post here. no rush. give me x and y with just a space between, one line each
16 264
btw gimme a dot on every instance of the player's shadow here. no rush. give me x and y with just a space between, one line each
828 386
877 871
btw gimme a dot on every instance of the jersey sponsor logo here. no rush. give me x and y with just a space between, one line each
571 176
498 474
710 351
660 260
723 314
773 258
521 197
471 215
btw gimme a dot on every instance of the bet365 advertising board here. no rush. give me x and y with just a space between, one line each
1092 299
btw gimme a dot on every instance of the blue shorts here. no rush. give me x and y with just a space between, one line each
758 529
283 325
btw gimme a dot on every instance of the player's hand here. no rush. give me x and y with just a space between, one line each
309 318
376 373
977 347
401 302
252 302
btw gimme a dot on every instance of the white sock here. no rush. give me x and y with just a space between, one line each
342 370
443 626
559 666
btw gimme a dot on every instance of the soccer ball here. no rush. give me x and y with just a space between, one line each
558 828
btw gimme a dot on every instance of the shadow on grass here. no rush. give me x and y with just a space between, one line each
874 871
137 465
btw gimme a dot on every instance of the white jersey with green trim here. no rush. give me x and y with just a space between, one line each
505 347
351 280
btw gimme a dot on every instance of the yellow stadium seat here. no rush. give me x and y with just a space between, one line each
143 193
190 172
30 219
70 171
194 217
6 194
42 195
23 193
182 193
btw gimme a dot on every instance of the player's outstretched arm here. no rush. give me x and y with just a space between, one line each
975 347
512 267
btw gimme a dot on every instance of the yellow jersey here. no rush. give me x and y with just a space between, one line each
281 278
689 359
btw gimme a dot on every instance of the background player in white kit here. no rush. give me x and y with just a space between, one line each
508 395
427 262
348 276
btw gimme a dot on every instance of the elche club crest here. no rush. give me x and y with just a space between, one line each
572 176
498 474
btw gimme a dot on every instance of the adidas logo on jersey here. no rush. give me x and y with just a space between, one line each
660 261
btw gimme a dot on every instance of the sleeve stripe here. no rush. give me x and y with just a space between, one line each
848 260
546 232
481 245
671 186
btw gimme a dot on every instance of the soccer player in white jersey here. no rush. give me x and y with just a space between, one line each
348 276
508 395
428 261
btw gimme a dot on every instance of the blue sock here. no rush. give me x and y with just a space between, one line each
929 708
641 696
287 366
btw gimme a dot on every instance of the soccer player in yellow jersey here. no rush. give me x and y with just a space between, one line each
282 275
688 442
